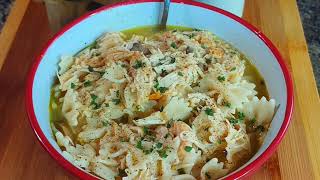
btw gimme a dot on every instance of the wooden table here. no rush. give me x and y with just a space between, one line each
22 157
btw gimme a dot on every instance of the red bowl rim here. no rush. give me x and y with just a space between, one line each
84 175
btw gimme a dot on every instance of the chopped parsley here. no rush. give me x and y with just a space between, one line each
148 151
90 69
116 101
181 171
162 153
146 131
209 111
163 72
227 104
106 104
122 173
139 64
180 74
203 46
234 68
252 121
93 101
73 86
195 84
87 83
96 105
233 121
139 145
117 93
162 89
190 35
156 85
219 141
209 61
174 45
241 116
221 78
93 97
105 123
123 65
188 148
173 60
158 145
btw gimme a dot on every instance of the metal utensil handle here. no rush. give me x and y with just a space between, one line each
165 14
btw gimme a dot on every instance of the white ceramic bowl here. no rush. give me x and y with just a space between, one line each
132 14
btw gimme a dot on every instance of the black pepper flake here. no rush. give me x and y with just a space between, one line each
181 171
122 173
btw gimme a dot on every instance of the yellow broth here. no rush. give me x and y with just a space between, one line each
251 73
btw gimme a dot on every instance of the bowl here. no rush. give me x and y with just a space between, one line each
126 15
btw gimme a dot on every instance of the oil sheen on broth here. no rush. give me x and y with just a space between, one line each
251 73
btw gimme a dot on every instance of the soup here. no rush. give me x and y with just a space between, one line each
179 104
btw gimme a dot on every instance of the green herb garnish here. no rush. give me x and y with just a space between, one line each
209 111
106 104
208 61
139 145
163 72
146 131
105 123
188 148
241 116
148 151
234 68
252 121
162 89
221 78
90 69
158 145
73 86
93 97
173 45
173 60
116 101
139 64
162 153
156 85
180 74
87 83
233 121
227 104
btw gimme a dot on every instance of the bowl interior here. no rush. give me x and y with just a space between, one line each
147 13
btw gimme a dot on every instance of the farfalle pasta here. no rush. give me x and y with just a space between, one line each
172 105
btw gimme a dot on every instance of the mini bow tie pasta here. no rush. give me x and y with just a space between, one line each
180 104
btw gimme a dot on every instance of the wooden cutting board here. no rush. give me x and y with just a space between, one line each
22 157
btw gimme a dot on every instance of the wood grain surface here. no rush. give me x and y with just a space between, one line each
9 31
298 156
